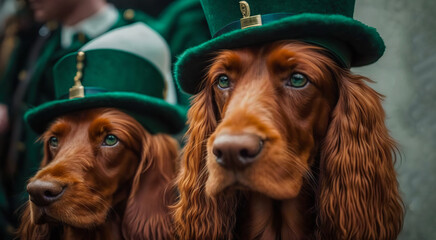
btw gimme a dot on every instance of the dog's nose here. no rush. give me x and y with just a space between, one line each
236 151
44 193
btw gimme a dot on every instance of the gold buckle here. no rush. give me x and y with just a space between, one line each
247 20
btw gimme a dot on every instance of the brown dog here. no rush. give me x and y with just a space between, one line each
285 144
103 176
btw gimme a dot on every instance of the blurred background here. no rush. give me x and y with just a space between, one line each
406 75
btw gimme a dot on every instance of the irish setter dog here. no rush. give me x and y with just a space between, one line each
103 176
285 144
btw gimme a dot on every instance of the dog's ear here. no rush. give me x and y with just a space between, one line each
29 230
358 194
147 215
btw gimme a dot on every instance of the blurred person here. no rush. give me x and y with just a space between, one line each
66 25
13 18
16 26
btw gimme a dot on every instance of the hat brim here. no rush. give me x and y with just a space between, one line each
365 43
156 115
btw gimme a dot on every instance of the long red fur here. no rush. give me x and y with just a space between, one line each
137 207
358 194
349 188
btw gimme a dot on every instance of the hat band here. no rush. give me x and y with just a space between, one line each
88 91
340 51
236 25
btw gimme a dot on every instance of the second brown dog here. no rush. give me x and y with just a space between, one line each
103 176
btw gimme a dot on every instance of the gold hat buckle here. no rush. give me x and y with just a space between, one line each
247 20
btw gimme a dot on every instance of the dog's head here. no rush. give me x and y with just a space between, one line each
276 118
274 106
93 161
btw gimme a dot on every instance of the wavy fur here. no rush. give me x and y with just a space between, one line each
208 220
358 194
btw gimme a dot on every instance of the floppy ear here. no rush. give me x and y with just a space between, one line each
358 194
196 216
147 215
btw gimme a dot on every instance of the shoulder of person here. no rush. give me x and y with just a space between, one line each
133 15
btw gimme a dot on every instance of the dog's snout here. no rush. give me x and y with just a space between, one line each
44 193
237 151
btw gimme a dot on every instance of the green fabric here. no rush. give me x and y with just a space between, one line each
220 13
333 25
183 25
113 70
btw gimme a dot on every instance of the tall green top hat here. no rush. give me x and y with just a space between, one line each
235 24
127 68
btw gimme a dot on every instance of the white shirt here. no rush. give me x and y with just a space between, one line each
92 26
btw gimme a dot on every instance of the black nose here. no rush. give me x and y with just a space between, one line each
44 193
237 151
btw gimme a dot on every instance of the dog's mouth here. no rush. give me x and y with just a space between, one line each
60 214
238 186
42 216
230 181
279 190
76 207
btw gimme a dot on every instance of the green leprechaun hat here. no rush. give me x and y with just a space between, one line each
127 68
235 24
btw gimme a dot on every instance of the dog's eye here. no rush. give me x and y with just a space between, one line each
53 142
297 80
223 81
110 140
